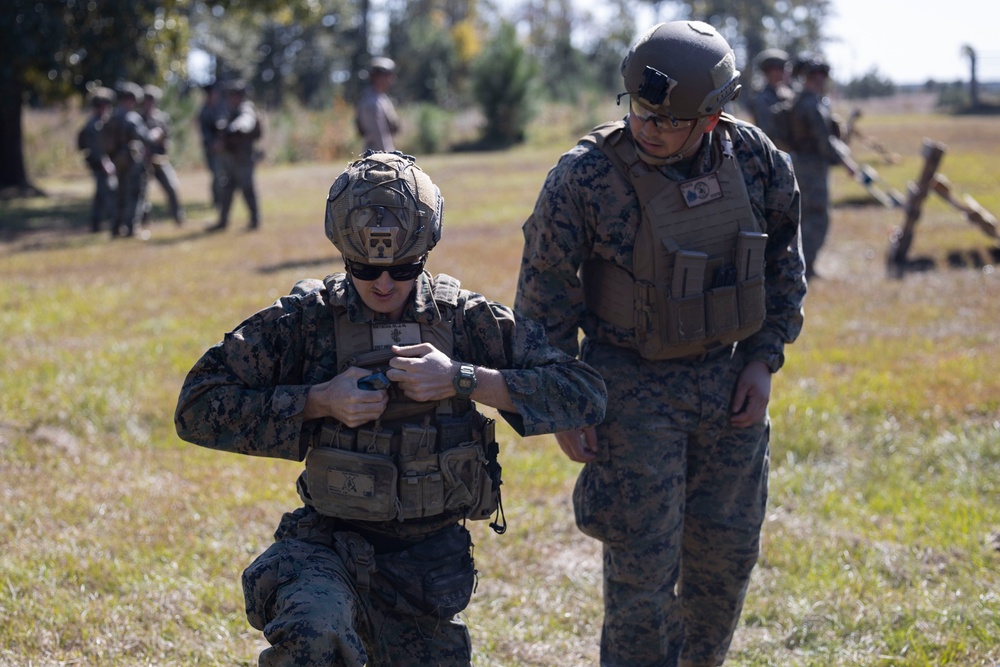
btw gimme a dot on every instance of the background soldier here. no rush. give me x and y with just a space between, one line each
772 64
375 566
812 126
158 160
212 110
128 141
236 132
89 143
376 116
700 210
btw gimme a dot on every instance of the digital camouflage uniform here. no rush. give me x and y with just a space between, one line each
677 495
238 129
764 102
128 142
159 163
813 154
90 144
211 111
311 592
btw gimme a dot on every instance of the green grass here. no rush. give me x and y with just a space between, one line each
124 546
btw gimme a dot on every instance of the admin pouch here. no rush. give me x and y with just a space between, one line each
353 485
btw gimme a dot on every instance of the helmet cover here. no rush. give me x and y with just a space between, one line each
384 210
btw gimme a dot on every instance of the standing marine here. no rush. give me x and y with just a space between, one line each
372 378
813 129
158 160
376 115
773 66
91 146
670 239
128 142
237 131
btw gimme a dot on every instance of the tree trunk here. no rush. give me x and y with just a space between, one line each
13 178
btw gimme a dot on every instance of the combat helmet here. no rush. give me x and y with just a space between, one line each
769 58
810 63
682 69
100 95
384 210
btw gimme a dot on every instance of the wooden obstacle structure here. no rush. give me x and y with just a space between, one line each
852 131
931 181
867 177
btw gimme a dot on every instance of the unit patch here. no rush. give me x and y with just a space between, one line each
701 190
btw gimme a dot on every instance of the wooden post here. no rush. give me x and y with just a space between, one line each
899 244
867 177
974 213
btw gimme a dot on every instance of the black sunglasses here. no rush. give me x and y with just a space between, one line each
400 272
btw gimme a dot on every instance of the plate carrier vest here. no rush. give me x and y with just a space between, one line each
419 459
697 278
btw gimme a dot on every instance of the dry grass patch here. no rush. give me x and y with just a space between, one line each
124 546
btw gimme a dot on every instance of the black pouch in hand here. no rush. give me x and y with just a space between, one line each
436 576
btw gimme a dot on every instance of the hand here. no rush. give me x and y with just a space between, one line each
422 372
580 444
341 399
753 393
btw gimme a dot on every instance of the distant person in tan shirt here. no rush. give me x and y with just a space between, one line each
376 116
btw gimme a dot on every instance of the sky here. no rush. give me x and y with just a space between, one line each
907 41
911 41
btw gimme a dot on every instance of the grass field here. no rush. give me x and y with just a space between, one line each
124 545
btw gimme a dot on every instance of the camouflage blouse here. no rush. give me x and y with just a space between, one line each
586 207
246 394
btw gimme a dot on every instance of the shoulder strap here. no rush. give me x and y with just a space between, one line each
611 140
446 290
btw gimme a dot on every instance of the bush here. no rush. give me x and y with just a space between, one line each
432 131
503 84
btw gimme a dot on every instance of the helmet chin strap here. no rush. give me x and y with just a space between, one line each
695 134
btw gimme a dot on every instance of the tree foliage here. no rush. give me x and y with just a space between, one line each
504 82
449 53
872 84
298 48
54 49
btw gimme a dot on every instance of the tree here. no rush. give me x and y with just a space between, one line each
870 85
751 27
53 49
434 43
503 82
970 53
294 48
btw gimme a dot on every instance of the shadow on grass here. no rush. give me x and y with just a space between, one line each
857 202
53 221
959 259
329 263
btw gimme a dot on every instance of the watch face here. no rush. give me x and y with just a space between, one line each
465 383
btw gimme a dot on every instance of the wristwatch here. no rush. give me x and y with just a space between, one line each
465 381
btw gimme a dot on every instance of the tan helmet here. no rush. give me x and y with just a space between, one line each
769 58
384 210
682 69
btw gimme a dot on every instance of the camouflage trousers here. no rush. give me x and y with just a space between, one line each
677 497
236 172
813 176
131 196
165 175
321 600
102 207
